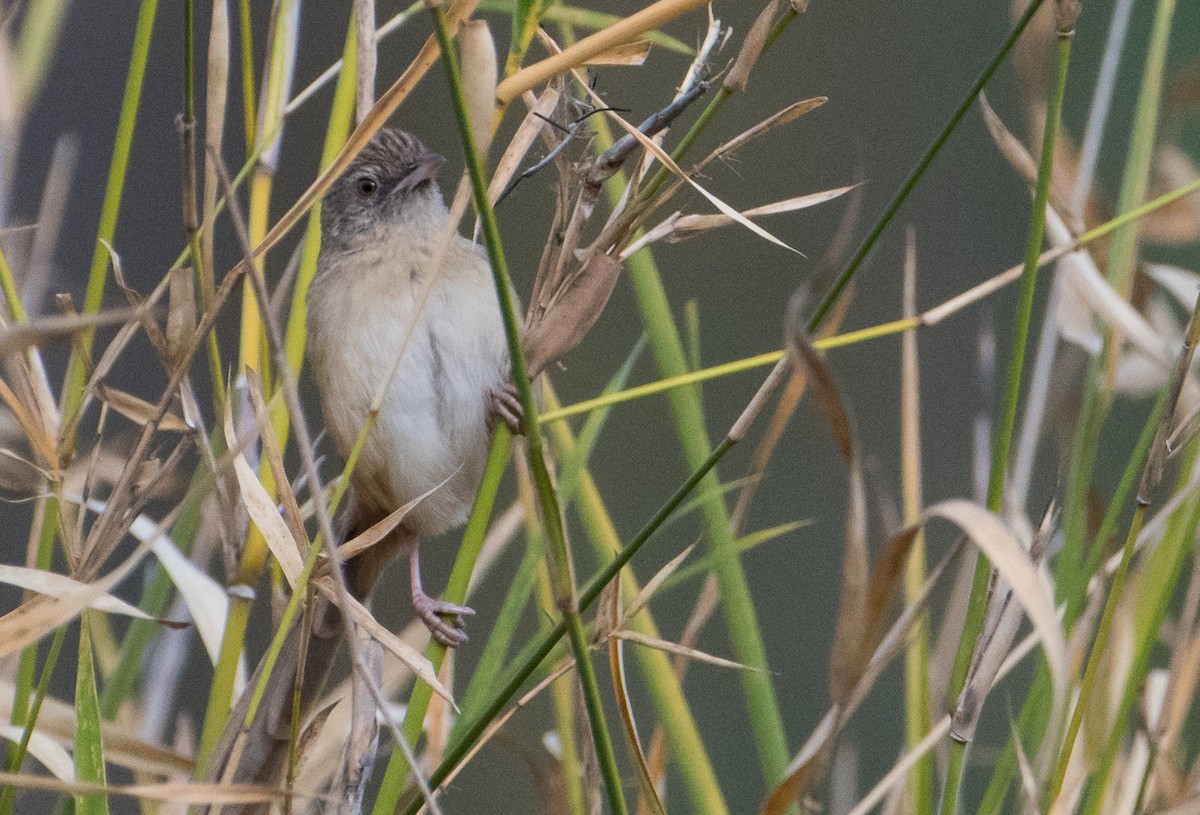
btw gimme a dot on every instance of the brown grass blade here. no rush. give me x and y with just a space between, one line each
616 663
138 410
852 633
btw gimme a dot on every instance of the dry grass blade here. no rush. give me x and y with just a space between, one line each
670 164
264 512
410 656
35 431
180 791
380 530
1012 562
677 226
623 31
46 329
207 602
31 621
679 650
138 410
52 755
789 114
809 761
122 744
616 663
851 639
62 587
752 47
522 140
654 583
1002 620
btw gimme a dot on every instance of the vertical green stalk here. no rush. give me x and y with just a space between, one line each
741 618
73 392
868 243
392 786
561 570
248 91
89 748
1004 431
17 755
538 650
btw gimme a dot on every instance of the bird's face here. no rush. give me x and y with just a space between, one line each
391 182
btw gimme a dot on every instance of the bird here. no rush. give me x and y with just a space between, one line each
383 225
398 304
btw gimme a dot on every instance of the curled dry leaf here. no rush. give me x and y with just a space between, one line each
554 327
752 47
851 646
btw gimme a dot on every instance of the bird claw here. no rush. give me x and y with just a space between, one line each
451 632
504 405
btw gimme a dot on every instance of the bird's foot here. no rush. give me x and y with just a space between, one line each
504 405
450 632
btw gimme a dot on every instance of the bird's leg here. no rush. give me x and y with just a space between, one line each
450 632
504 405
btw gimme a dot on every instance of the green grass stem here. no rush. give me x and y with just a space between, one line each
1002 445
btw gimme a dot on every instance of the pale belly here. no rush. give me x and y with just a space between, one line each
431 434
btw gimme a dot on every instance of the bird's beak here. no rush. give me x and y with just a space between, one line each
424 169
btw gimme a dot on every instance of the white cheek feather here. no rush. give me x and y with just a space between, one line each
432 424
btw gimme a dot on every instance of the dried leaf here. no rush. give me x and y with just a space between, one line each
852 637
521 141
561 324
36 618
381 529
421 666
264 513
654 583
62 587
182 791
20 336
692 223
807 762
181 315
138 410
752 47
616 662
53 756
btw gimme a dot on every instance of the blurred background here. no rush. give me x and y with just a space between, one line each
893 73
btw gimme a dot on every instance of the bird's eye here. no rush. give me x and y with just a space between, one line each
367 186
